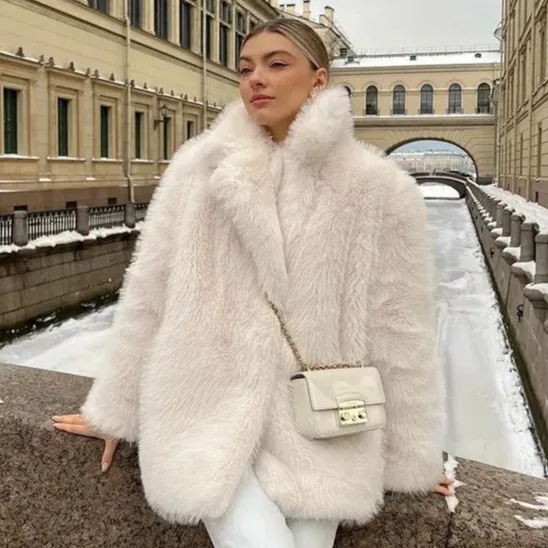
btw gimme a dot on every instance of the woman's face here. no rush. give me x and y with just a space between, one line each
275 81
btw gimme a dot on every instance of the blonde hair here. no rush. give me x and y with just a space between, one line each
303 36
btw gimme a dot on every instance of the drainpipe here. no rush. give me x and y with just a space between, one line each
204 63
127 154
531 93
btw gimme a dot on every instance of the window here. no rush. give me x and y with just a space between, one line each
185 27
241 31
139 127
371 101
455 99
112 201
101 5
63 126
398 100
484 99
539 151
71 204
161 25
189 129
542 50
135 12
11 120
224 30
166 139
105 123
427 99
252 24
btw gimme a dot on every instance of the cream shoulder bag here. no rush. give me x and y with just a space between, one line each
330 401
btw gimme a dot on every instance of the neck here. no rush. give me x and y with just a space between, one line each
279 131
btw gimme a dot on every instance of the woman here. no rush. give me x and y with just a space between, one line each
278 202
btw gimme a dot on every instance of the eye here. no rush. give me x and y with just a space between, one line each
245 71
278 64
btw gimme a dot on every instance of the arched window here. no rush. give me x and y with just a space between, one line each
455 99
484 99
371 101
348 90
427 99
398 100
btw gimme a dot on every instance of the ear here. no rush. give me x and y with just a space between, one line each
322 78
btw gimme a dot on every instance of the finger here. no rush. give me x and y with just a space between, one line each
70 419
78 429
108 454
447 481
445 491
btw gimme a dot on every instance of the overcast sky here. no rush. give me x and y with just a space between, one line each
394 24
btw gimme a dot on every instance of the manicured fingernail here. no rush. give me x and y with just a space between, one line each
56 425
55 417
104 467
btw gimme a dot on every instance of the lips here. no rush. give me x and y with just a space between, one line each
261 99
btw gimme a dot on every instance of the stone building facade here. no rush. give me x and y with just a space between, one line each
522 148
97 94
398 98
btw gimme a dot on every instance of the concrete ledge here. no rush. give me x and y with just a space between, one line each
54 495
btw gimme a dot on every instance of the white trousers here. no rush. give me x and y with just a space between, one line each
254 521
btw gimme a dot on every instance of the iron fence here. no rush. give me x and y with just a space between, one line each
140 212
49 223
6 227
106 217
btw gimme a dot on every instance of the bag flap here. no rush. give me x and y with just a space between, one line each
329 387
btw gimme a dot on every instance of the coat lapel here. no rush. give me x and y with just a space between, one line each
245 166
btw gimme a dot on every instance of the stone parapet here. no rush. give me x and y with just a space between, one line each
54 495
519 268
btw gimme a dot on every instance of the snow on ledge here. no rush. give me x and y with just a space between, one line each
513 252
68 237
450 465
533 212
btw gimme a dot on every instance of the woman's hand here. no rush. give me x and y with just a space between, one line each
76 424
443 487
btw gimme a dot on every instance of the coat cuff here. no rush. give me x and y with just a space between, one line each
417 471
110 414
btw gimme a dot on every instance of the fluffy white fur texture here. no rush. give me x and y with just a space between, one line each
197 370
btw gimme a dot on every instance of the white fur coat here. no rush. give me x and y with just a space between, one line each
198 371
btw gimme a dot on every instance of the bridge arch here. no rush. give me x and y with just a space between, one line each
394 147
445 178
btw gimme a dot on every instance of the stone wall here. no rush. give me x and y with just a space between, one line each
35 282
517 256
54 495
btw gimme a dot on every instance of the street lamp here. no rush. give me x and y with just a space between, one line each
164 114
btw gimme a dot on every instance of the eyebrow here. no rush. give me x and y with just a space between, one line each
271 54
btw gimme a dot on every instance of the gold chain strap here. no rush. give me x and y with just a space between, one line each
303 365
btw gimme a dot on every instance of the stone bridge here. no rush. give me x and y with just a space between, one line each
54 494
453 179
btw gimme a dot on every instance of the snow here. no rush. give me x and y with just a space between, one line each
68 237
76 346
533 212
537 522
422 59
488 418
527 268
450 466
512 252
435 190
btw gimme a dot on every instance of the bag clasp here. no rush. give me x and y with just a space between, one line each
352 412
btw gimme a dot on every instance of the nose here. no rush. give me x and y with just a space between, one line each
257 78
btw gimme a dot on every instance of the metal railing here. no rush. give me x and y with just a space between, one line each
49 223
106 216
140 212
21 227
6 225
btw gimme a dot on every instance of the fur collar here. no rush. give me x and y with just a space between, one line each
244 174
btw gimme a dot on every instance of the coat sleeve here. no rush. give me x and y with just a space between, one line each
402 339
112 405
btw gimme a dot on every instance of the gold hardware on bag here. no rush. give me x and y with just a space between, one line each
352 412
